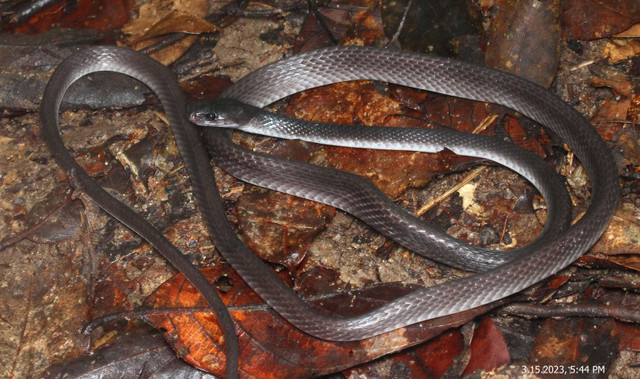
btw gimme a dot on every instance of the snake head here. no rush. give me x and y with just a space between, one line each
220 113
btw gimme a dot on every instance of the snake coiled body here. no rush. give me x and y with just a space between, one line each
361 198
548 255
451 77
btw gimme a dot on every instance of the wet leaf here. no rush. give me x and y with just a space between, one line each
278 227
488 348
611 116
102 15
628 141
448 22
525 40
132 355
550 287
53 221
268 343
591 19
432 359
438 354
337 16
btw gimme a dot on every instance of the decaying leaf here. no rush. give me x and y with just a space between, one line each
270 346
525 40
131 355
278 227
591 19
488 348
161 17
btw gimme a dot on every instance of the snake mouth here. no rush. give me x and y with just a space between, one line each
201 118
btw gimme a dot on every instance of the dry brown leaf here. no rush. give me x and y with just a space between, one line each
620 85
149 14
176 21
611 117
619 50
160 18
632 32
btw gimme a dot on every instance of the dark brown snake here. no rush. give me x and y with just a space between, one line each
499 277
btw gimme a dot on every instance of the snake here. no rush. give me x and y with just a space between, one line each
497 276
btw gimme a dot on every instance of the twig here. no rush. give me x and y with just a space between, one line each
396 35
472 175
569 310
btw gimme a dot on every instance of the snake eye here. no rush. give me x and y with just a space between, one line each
210 117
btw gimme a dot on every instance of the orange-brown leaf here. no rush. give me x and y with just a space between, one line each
269 344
